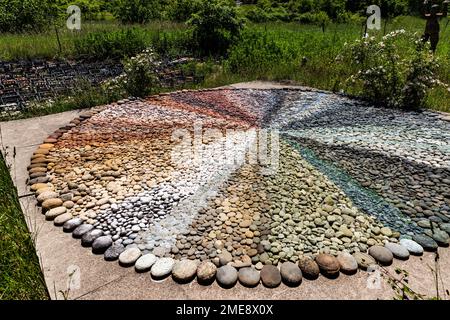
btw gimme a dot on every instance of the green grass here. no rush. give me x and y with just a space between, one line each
295 40
320 50
20 274
45 45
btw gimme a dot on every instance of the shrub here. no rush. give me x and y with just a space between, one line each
319 18
137 11
396 72
215 27
172 44
333 8
257 53
140 76
182 10
114 45
25 15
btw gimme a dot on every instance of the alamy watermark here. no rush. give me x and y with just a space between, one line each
74 20
220 148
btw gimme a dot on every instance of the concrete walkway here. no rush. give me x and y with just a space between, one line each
95 278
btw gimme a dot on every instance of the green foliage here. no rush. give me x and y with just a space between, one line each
258 52
173 44
25 15
90 9
215 27
20 274
137 11
392 74
319 18
182 10
140 76
336 10
115 44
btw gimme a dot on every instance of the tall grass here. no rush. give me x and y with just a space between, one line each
20 274
45 45
306 55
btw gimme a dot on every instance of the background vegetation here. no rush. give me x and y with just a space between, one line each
296 40
20 274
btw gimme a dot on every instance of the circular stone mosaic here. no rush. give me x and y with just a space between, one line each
248 185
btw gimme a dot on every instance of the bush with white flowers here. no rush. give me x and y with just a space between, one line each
139 78
396 70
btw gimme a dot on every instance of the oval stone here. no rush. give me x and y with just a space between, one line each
62 219
49 194
145 262
291 274
347 263
88 238
249 277
364 260
270 276
381 254
51 203
206 271
81 230
129 257
162 267
100 244
441 237
399 251
328 265
53 213
184 271
309 268
113 252
413 247
426 242
72 224
227 276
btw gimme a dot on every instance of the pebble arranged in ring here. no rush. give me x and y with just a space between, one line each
141 183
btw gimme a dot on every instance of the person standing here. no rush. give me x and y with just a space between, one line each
432 27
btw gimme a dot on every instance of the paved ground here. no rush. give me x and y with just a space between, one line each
60 253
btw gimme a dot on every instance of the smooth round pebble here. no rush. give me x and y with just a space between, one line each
347 262
399 251
162 267
88 238
113 252
291 274
184 271
206 271
328 265
62 219
426 242
145 262
249 277
270 276
381 254
364 260
413 247
81 230
100 244
227 276
72 224
309 268
129 257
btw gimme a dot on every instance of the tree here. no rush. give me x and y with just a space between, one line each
215 27
182 10
26 15
138 11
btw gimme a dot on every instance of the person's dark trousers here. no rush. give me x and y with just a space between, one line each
434 39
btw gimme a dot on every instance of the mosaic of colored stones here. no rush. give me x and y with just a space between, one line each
355 185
